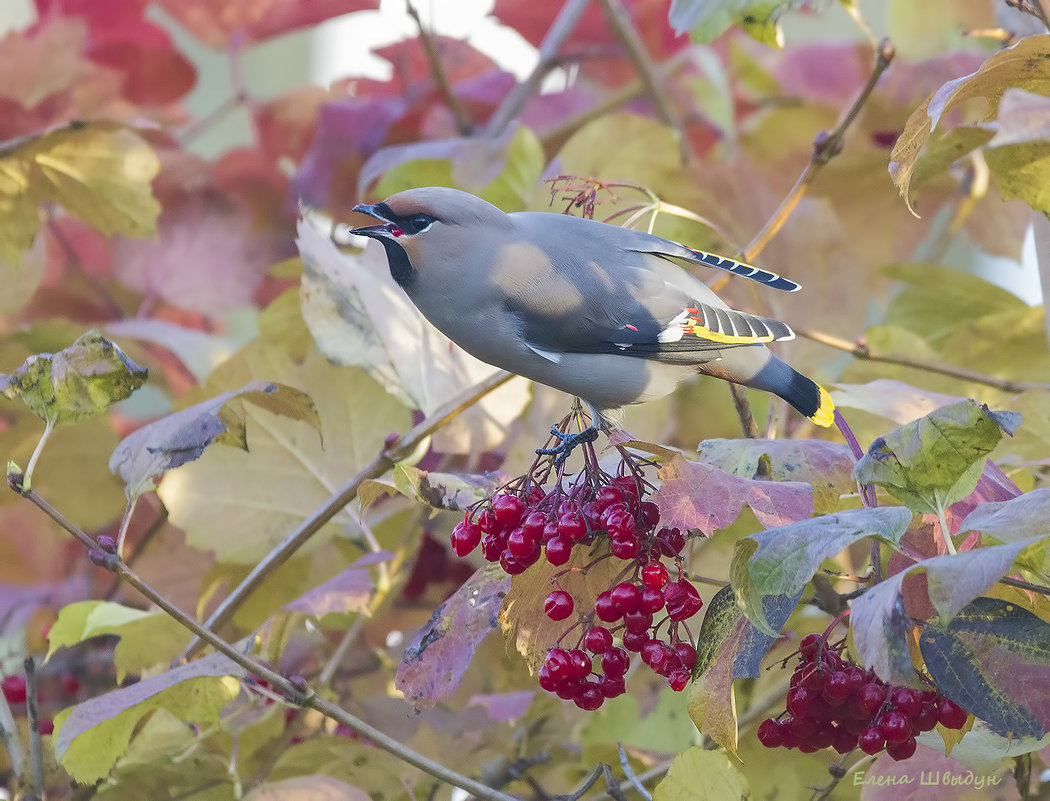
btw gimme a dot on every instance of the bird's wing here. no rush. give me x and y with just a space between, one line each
594 298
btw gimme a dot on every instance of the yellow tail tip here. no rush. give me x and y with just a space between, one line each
824 416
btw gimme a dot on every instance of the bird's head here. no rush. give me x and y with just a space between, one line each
428 225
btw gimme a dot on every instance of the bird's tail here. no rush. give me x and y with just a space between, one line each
804 394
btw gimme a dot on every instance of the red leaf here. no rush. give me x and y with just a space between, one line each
243 21
695 495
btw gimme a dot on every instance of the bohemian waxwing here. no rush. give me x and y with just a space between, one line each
599 311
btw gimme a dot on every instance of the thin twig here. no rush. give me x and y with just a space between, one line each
1024 585
825 147
297 692
620 97
36 757
620 23
464 124
382 462
743 411
862 351
515 101
625 763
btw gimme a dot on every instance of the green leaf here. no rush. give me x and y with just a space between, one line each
936 460
91 736
781 561
700 775
76 383
146 638
145 455
993 659
706 20
1019 153
307 788
1019 518
729 647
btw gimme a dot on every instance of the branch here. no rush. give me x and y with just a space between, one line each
620 23
743 411
36 758
382 462
295 690
863 352
825 147
464 124
523 92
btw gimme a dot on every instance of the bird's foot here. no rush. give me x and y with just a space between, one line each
568 443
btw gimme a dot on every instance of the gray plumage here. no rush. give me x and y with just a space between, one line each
604 313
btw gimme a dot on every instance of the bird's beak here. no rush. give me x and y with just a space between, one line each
386 229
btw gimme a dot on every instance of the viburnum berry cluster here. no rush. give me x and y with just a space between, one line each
834 703
644 612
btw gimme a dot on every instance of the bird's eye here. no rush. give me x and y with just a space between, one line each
420 222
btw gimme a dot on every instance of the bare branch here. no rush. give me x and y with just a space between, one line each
625 763
521 94
36 757
464 124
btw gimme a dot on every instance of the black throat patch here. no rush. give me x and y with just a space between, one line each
400 267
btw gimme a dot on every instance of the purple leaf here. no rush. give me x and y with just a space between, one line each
349 591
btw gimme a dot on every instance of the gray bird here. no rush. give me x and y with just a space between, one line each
598 311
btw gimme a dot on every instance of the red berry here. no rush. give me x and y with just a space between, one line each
637 622
907 701
671 540
511 564
824 736
70 683
492 547
523 544
634 640
558 550
612 686
652 600
686 654
949 714
509 510
770 733
558 663
608 496
558 605
844 740
487 522
572 527
566 691
870 741
654 576
579 664
622 527
870 697
901 750
651 652
627 597
598 640
615 662
545 679
837 688
925 719
589 697
550 531
682 599
607 610
534 523
799 700
895 727
678 679
14 689
648 515
46 726
626 548
465 537
810 646
610 514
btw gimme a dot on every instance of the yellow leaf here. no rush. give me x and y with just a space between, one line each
699 775
98 171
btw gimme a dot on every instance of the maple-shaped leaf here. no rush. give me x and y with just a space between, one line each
145 455
1018 67
933 462
1022 517
700 496
455 491
729 647
76 383
91 736
826 466
781 561
698 774
441 651
878 619
98 171
993 659
240 22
